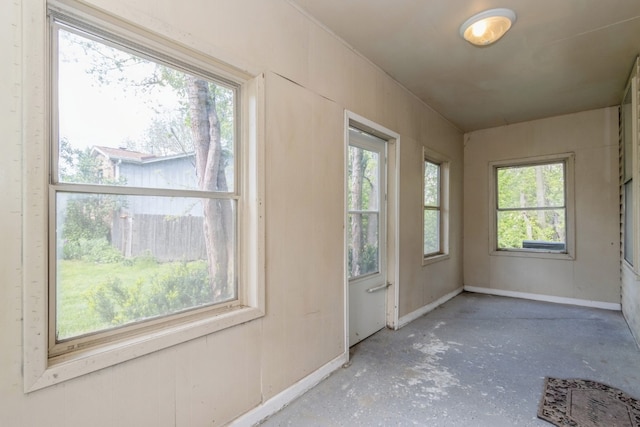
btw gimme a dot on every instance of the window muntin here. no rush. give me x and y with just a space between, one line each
432 213
142 200
531 211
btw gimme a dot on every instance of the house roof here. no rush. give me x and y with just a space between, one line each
132 156
123 154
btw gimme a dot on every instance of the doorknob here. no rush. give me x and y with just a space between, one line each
378 288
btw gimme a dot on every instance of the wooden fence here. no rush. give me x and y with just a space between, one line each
166 238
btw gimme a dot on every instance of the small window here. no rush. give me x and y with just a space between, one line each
532 209
432 211
434 201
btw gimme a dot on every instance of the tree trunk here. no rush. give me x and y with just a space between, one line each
527 222
540 197
210 169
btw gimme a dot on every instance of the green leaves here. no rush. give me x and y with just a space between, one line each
530 204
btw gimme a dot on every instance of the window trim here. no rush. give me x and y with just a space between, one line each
444 163
569 160
41 370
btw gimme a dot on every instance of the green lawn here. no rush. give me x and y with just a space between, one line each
77 278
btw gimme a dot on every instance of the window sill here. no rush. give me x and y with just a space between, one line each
533 254
84 361
432 259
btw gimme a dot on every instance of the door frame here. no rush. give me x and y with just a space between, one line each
392 171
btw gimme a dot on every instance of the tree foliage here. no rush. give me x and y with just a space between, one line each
531 204
363 199
432 208
86 230
191 115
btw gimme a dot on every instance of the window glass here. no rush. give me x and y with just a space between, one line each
628 222
627 179
363 199
143 183
432 208
531 211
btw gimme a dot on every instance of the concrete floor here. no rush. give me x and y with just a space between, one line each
477 360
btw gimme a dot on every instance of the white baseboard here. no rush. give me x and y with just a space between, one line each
546 298
404 320
282 399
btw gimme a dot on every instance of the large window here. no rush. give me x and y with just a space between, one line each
435 205
147 219
532 205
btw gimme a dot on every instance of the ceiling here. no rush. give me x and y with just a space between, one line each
561 56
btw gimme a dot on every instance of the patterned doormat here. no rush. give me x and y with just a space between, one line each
584 403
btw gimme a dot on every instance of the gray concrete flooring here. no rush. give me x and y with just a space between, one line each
477 360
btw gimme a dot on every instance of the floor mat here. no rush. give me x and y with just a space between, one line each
584 403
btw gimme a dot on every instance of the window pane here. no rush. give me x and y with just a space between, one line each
363 244
628 222
627 135
364 182
531 186
431 184
126 120
431 231
539 229
123 259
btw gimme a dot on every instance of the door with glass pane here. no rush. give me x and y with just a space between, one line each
366 232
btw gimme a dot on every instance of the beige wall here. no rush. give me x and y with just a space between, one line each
594 274
214 379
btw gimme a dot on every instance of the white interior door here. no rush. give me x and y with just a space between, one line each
366 234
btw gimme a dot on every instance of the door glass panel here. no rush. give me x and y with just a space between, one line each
363 244
363 200
364 180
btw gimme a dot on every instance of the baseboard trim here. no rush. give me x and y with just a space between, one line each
546 298
282 399
404 320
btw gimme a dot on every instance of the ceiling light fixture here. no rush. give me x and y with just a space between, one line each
487 27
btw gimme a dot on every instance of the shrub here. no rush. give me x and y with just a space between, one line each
185 286
92 250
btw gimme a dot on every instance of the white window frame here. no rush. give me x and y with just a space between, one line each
41 370
632 124
444 163
568 160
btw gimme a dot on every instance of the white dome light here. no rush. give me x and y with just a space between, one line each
487 27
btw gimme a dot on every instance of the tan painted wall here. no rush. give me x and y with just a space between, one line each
213 379
594 274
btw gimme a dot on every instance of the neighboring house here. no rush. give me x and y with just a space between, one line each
144 223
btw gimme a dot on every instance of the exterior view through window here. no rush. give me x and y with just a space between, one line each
364 211
143 186
432 211
531 207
